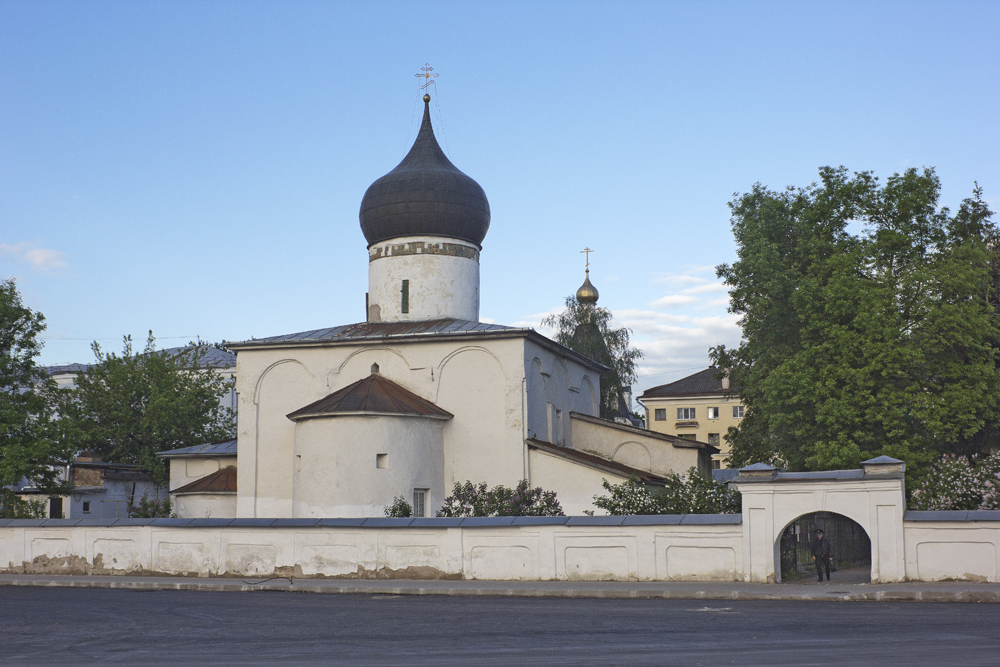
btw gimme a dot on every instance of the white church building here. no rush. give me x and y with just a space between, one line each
337 422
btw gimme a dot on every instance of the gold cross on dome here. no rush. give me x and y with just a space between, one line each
427 69
587 251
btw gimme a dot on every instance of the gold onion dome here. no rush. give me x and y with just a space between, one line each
587 292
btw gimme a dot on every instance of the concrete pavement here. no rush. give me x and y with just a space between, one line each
696 590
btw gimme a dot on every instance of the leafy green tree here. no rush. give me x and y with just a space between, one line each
128 407
31 445
692 493
586 328
399 509
856 345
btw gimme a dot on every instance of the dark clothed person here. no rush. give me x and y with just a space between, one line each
821 554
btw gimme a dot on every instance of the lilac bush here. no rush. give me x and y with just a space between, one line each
960 483
478 500
151 508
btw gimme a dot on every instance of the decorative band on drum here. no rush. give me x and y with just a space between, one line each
422 248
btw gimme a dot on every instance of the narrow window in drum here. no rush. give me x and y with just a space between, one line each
406 297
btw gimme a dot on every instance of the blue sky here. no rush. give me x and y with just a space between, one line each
196 168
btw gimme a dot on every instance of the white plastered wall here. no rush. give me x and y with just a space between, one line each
952 550
557 385
440 285
645 452
205 505
575 485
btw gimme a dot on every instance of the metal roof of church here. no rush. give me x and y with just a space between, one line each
373 330
221 481
373 394
376 331
425 195
211 357
224 448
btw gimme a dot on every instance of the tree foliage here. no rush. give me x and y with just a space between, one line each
477 500
860 344
693 493
128 407
586 328
960 483
31 444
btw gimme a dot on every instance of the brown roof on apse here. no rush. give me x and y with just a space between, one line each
221 481
374 395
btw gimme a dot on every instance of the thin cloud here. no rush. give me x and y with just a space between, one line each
673 301
40 259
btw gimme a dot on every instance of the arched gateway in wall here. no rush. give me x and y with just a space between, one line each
872 497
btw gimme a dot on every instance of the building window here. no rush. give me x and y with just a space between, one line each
685 413
713 439
713 413
86 507
738 411
660 414
405 306
688 436
420 502
381 460
716 464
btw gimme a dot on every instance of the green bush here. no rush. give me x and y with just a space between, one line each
151 508
960 483
694 493
12 507
399 508
477 500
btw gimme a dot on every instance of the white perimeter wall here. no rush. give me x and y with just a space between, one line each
649 549
703 552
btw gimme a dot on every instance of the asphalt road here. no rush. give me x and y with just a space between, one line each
62 626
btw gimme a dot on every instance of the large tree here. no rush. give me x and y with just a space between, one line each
586 328
859 343
30 442
131 406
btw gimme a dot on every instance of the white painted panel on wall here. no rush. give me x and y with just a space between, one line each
760 547
181 557
597 563
701 563
331 560
115 554
500 562
886 543
50 547
247 559
969 561
400 556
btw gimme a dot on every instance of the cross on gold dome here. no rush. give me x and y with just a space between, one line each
587 251
427 74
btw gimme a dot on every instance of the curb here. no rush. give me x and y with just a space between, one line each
623 592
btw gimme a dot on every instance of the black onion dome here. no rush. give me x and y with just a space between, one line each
425 195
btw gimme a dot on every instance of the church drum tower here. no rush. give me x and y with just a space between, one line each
424 222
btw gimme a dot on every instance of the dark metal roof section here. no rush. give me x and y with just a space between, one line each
373 395
374 330
205 356
363 332
221 481
224 448
701 382
425 195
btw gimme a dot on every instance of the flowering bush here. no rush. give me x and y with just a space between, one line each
399 508
695 493
477 500
151 508
960 483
